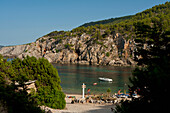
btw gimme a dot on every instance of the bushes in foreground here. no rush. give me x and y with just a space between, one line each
47 84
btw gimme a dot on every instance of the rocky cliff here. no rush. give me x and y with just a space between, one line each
84 49
106 42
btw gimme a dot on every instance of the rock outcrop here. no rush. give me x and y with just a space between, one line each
112 50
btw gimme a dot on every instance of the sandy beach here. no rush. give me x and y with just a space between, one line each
83 108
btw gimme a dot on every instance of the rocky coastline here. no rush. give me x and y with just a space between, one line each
113 50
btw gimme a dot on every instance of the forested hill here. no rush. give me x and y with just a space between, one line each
107 21
100 44
159 13
162 8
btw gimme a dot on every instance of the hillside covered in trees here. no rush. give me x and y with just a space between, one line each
108 42
126 25
107 21
150 80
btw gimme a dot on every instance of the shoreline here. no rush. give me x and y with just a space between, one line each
83 107
81 64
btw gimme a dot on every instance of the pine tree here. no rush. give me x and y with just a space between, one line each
152 75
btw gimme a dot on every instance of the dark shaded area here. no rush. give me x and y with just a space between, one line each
151 79
18 102
14 98
1 46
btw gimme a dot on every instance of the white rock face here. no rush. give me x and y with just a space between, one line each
77 50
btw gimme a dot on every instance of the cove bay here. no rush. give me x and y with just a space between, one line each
73 76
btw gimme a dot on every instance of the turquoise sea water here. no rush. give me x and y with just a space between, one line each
73 76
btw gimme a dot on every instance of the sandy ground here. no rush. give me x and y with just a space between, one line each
83 108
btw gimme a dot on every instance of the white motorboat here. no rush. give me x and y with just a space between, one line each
105 79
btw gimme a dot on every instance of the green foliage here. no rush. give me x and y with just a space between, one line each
57 50
42 40
15 101
68 46
107 54
47 79
112 20
124 25
53 98
152 77
107 32
55 33
18 102
29 44
6 71
26 51
100 43
48 82
46 76
108 90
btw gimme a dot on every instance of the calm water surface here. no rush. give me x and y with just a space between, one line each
73 76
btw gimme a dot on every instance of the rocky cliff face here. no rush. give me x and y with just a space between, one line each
112 50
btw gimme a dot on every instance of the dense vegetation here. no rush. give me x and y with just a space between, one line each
11 100
107 21
123 34
20 71
125 25
152 77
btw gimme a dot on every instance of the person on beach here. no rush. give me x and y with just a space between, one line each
88 91
119 93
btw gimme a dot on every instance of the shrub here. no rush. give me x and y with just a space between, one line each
108 90
53 98
48 81
42 40
100 43
14 101
107 54
57 50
